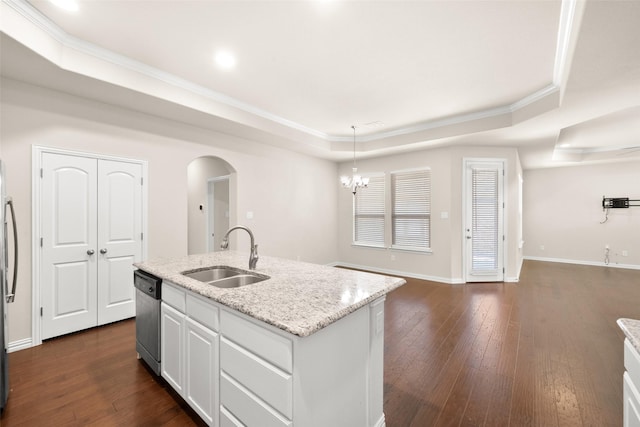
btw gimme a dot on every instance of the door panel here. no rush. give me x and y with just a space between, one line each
70 290
68 212
484 217
119 237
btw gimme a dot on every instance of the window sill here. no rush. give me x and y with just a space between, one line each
364 245
409 249
393 248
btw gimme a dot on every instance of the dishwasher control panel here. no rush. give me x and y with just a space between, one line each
147 283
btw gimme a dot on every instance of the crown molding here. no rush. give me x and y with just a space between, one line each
567 28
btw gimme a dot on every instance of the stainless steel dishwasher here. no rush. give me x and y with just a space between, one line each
148 294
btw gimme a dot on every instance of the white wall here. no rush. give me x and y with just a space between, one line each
444 264
563 211
293 197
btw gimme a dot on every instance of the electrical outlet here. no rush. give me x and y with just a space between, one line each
393 257
625 253
542 247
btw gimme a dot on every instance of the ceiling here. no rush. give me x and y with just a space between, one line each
559 80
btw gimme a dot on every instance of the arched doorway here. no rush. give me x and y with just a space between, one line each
211 202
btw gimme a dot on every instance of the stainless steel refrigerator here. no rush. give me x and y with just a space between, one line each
6 295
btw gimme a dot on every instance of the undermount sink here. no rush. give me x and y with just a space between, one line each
225 277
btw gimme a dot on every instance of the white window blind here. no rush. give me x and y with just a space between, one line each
368 213
411 209
484 251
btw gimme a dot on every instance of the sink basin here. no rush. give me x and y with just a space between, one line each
239 280
213 273
225 277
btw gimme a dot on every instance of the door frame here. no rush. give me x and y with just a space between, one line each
36 166
465 208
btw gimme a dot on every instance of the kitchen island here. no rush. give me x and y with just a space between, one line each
631 377
302 348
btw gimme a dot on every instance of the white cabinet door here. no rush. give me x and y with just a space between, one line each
68 271
172 347
119 238
631 403
201 386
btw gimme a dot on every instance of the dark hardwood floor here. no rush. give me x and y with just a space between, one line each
542 352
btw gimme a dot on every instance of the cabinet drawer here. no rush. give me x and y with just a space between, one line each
272 347
174 296
266 381
227 419
202 311
632 361
247 408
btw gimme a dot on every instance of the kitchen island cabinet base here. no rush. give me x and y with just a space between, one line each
268 377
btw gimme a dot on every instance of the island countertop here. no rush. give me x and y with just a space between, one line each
300 298
631 329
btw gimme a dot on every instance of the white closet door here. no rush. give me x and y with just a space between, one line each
68 272
119 238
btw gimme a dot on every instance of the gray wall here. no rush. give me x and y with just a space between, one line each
563 211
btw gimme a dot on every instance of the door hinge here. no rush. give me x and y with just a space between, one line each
41 173
40 311
141 236
502 270
41 242
503 237
141 181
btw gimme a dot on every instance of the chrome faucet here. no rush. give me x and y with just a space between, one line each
253 257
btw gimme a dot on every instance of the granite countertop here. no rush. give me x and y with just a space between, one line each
631 329
300 298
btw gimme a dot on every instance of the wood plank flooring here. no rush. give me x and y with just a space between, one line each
542 352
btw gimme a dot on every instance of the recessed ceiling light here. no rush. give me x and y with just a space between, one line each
68 5
225 60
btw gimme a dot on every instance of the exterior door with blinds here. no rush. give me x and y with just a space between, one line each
484 220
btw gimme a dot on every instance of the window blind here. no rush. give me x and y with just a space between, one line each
484 251
411 209
368 213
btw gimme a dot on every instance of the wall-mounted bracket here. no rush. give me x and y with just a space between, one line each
619 202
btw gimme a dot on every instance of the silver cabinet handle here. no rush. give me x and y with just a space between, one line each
91 252
103 251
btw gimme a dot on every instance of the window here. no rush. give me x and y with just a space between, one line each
369 213
411 209
402 223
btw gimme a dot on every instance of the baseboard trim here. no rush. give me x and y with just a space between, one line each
456 281
580 262
381 422
20 345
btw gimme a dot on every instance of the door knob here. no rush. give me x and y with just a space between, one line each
103 251
91 252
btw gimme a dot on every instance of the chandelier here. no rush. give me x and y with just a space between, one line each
356 181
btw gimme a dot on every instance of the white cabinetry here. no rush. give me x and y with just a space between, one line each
171 354
237 371
189 349
333 377
631 386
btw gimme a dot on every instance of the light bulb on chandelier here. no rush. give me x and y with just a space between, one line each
355 181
